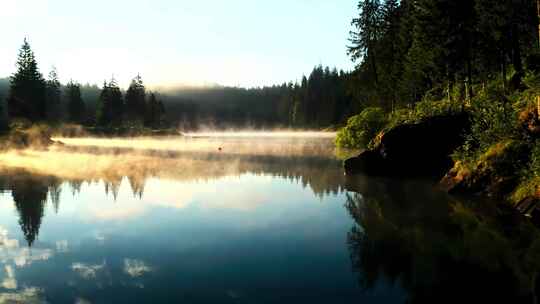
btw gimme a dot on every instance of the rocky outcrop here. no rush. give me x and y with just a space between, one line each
420 149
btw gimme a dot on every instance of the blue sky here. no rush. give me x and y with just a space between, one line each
172 42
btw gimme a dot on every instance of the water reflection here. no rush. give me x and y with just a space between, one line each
137 225
30 194
438 249
36 177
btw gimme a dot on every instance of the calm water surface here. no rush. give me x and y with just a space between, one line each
153 224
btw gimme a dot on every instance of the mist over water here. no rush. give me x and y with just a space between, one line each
192 157
116 218
255 218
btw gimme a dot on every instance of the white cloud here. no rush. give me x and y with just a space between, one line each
88 271
29 295
11 252
136 268
9 282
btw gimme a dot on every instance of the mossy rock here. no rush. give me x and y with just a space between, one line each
494 173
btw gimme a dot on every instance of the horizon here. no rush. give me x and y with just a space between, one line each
173 43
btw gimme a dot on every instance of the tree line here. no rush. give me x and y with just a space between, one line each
444 49
32 97
320 99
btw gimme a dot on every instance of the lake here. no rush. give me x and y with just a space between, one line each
253 218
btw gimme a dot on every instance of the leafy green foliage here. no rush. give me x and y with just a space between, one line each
535 160
361 129
493 119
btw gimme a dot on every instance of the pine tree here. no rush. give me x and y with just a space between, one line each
76 107
53 96
136 101
110 107
27 88
366 35
155 112
390 52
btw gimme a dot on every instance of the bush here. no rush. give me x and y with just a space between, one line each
361 129
493 118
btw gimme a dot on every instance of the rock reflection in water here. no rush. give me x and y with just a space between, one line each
438 249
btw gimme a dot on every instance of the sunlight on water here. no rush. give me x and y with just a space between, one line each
289 143
259 134
177 158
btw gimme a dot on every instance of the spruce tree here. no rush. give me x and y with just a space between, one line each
27 88
53 96
110 109
135 101
155 112
76 107
366 35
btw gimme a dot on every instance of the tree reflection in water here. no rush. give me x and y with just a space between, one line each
438 249
29 193
31 189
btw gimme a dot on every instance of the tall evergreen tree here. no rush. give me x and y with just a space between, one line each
53 96
110 109
136 101
366 35
390 52
76 107
27 88
155 112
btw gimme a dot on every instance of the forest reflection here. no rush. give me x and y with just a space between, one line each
440 249
36 177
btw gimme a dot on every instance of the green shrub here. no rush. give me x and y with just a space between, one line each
425 109
361 129
493 118
535 160
399 117
530 177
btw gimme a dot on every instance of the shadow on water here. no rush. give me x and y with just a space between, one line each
440 249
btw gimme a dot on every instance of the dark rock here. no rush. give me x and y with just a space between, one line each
421 149
369 162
